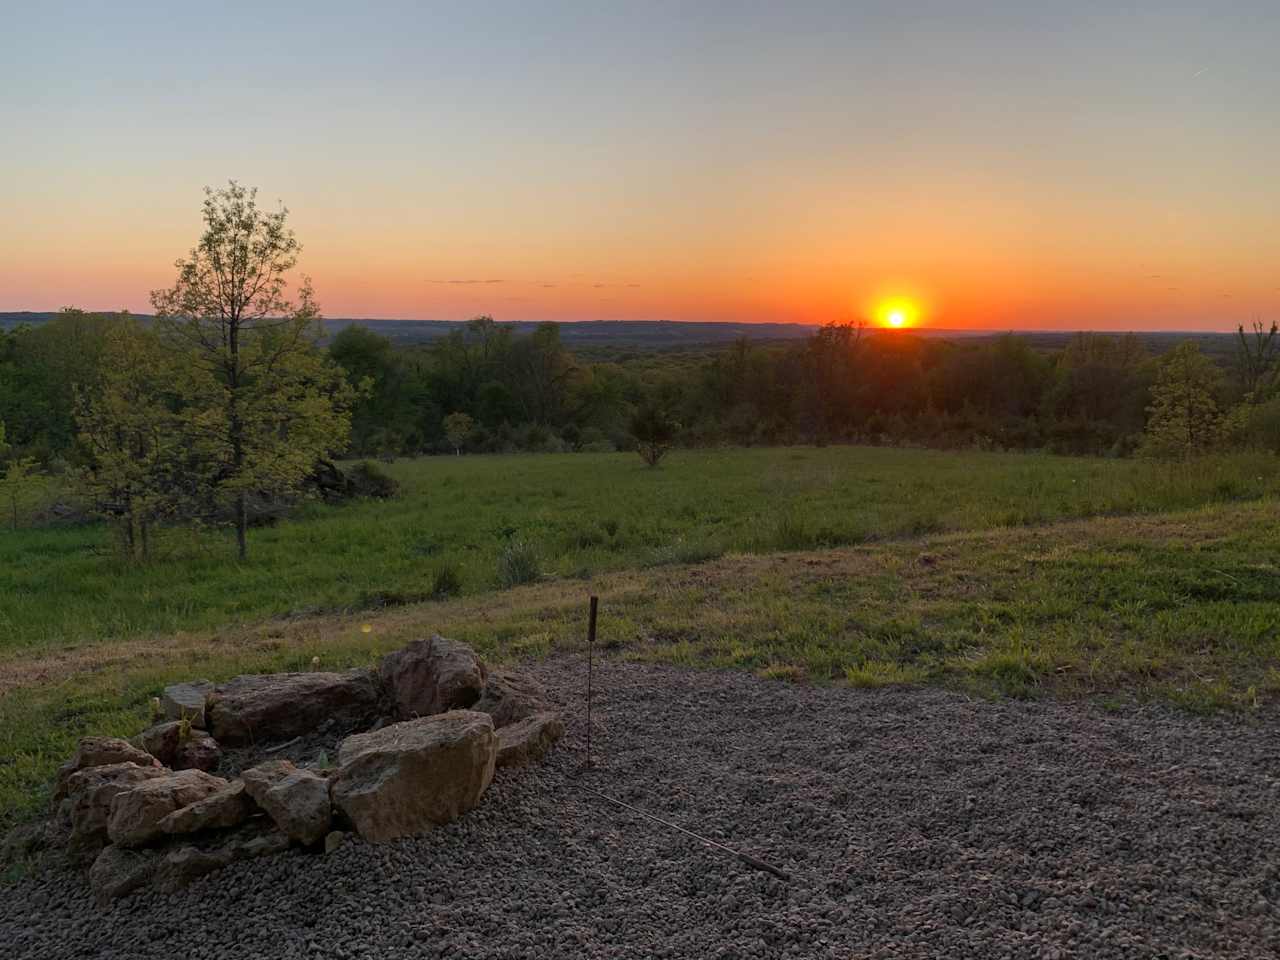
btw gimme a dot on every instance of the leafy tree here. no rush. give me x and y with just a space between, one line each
133 438
457 428
654 432
19 486
1183 418
261 402
1258 361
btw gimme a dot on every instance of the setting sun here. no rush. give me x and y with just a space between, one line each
897 313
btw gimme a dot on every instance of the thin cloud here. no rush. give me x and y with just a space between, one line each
464 282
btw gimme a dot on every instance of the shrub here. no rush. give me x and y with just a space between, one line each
446 583
518 563
654 432
367 479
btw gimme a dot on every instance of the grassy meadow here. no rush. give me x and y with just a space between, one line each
1002 575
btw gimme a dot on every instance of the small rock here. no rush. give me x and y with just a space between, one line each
229 807
186 700
199 752
118 871
527 740
296 799
136 813
98 752
161 741
432 676
509 696
333 840
90 793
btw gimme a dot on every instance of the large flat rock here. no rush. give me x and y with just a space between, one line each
277 706
409 777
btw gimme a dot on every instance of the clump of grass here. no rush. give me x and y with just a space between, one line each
518 563
446 583
883 673
783 671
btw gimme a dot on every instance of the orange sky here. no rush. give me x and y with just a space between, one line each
1004 168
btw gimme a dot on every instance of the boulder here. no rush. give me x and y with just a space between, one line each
277 706
432 676
161 741
98 752
408 777
186 700
296 799
527 740
507 697
118 871
136 813
179 867
229 807
199 752
90 793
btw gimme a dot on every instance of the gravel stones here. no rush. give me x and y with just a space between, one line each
136 814
296 799
527 740
409 777
282 705
432 676
915 823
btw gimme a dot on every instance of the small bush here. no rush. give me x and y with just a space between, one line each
518 563
446 583
367 479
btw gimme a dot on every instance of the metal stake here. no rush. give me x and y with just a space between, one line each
591 648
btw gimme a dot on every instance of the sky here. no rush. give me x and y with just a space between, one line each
1006 165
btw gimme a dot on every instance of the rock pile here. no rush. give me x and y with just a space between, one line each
432 724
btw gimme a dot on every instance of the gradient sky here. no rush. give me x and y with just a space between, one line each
1012 165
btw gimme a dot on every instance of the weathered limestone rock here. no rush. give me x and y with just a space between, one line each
432 676
296 799
179 867
527 740
199 752
508 697
161 741
408 777
136 814
187 700
282 705
90 793
118 871
98 752
229 807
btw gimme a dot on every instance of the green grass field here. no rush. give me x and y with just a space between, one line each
1002 575
580 515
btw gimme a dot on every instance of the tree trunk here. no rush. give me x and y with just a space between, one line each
242 524
146 539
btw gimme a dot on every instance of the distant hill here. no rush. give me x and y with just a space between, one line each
590 336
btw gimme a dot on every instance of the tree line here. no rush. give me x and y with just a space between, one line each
230 398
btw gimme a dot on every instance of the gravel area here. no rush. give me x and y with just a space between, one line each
914 823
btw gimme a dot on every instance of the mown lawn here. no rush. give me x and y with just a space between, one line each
1182 608
580 515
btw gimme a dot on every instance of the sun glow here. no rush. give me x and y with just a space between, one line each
897 313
